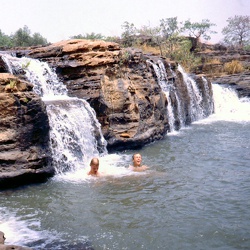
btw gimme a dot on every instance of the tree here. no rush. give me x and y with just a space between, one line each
22 37
5 41
197 30
150 36
169 27
170 32
237 32
129 33
37 39
89 36
182 54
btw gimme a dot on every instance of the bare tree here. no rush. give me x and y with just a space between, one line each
237 32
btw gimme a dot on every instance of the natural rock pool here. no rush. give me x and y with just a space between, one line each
194 196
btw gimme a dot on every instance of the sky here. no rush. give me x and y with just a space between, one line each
58 20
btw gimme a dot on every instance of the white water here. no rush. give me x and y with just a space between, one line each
201 208
196 110
165 87
75 133
228 106
195 96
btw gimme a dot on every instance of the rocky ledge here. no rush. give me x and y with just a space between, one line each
239 82
24 134
118 84
215 57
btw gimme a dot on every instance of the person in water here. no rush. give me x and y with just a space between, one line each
94 166
2 238
6 247
137 163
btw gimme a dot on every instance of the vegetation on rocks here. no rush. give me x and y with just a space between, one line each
233 67
177 41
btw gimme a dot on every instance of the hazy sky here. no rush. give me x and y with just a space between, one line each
57 20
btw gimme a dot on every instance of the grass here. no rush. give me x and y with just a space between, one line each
149 49
233 67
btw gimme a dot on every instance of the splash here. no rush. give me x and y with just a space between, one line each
228 106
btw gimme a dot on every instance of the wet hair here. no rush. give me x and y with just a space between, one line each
134 155
94 161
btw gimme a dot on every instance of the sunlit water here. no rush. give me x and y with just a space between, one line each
195 195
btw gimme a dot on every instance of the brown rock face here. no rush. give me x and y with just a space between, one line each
215 57
24 134
117 83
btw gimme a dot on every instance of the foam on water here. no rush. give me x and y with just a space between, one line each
25 230
111 165
228 106
18 230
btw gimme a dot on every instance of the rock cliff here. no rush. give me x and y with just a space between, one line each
117 83
215 57
24 133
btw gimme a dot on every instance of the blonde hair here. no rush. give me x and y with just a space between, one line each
133 156
94 161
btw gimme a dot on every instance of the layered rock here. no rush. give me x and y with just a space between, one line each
117 83
24 134
215 57
240 82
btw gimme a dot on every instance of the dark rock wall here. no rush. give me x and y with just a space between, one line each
24 134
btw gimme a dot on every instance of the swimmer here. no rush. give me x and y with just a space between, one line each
2 238
137 167
94 166
10 247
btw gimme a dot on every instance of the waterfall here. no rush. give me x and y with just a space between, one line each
197 105
208 107
75 133
228 106
166 88
195 108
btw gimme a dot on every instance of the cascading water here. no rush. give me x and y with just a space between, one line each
195 108
201 175
166 88
199 106
228 106
208 106
75 133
